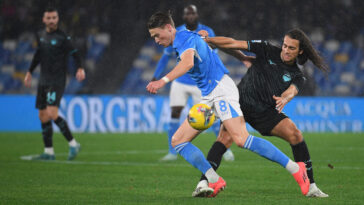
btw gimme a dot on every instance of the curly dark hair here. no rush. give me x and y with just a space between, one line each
309 52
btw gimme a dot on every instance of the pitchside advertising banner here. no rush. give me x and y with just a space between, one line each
135 114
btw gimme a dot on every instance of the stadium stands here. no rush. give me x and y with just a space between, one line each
16 56
346 62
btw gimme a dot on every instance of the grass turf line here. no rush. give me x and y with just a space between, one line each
124 169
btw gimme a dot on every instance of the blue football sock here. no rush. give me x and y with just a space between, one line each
193 156
266 149
172 128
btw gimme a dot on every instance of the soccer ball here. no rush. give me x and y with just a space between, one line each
201 117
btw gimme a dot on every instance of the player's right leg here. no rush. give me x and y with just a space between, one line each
267 150
47 132
46 124
287 130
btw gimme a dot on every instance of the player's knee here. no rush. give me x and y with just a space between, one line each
52 114
43 117
295 136
239 137
175 142
225 139
240 142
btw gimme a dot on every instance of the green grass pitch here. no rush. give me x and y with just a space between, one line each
124 169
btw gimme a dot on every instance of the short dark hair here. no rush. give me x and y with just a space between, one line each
160 19
309 52
51 9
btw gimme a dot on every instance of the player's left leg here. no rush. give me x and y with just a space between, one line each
214 156
63 126
287 130
196 97
178 96
181 141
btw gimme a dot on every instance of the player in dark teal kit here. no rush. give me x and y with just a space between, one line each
54 48
270 83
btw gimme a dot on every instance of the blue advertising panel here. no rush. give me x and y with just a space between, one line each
134 114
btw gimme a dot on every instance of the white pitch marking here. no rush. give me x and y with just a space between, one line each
128 163
29 157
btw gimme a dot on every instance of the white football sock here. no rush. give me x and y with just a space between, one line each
72 143
292 167
49 150
212 176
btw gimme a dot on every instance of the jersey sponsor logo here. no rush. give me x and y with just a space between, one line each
271 62
286 77
53 42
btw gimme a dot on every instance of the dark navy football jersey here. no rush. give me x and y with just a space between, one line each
267 76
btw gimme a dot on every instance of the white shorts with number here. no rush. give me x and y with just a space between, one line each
224 99
179 93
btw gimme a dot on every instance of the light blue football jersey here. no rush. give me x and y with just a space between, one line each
208 68
168 51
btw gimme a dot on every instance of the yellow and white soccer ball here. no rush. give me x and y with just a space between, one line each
201 116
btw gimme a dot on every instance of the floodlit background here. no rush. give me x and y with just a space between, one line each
122 128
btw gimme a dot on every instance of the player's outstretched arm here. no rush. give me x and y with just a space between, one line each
181 68
226 42
286 96
246 60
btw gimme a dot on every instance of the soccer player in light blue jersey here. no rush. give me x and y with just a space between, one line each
218 91
184 87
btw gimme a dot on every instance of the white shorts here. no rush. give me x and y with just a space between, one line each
179 93
224 99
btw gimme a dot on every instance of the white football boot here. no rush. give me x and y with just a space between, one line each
202 189
314 191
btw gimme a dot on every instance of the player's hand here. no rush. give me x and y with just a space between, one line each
28 80
154 86
247 61
280 103
203 33
80 75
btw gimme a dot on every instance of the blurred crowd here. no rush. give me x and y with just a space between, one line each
18 17
333 21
